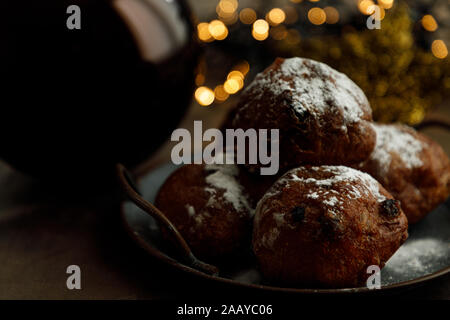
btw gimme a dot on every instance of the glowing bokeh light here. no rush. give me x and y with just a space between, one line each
203 32
204 96
276 16
317 16
260 30
218 29
365 5
261 26
228 6
386 4
429 23
439 49
238 76
231 86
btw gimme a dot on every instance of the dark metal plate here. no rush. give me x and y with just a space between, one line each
424 256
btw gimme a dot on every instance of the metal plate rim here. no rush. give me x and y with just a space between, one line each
154 252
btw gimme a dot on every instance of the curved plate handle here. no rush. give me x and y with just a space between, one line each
131 191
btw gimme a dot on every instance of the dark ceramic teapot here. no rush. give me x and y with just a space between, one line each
84 89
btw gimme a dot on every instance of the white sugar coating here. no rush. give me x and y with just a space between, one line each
340 174
392 139
313 195
314 87
367 187
225 177
332 201
190 209
414 256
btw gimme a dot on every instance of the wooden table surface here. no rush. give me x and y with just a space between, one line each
43 231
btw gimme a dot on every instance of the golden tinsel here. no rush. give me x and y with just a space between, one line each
401 80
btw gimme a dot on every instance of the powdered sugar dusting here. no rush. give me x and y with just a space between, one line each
341 174
395 139
225 177
314 87
190 209
332 201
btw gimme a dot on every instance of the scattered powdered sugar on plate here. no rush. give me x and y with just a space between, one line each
248 276
417 257
314 87
395 139
225 177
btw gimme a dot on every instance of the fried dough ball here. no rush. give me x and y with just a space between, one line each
211 208
324 226
412 167
323 117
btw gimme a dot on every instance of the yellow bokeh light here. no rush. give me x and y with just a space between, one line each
203 32
371 10
218 30
386 4
296 1
220 93
365 5
235 74
231 86
260 30
278 33
231 19
439 49
228 6
247 16
227 11
204 96
260 26
238 76
429 23
332 15
382 13
260 36
276 16
313 0
317 16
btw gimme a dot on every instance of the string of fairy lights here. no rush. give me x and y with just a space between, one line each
276 24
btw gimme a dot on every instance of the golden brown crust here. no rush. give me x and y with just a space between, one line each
325 123
323 226
420 185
